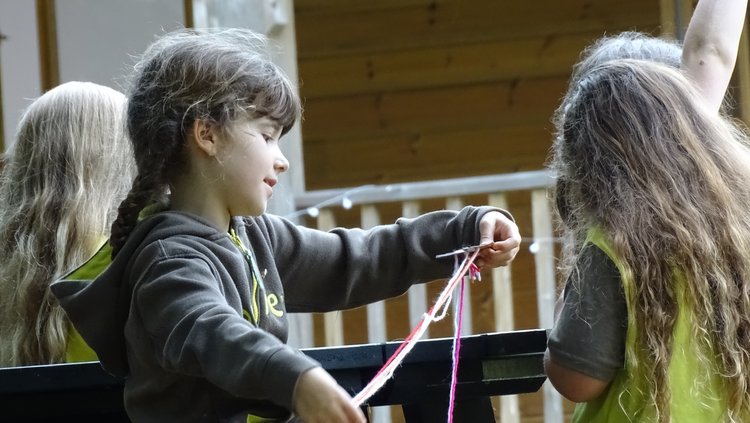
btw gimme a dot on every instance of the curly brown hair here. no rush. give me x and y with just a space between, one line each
638 155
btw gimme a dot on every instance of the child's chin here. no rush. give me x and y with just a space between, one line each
249 211
257 211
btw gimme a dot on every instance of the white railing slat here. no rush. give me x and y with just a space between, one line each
376 330
417 293
334 327
544 261
456 203
502 295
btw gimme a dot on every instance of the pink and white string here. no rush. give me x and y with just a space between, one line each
436 312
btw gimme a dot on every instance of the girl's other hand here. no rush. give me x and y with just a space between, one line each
319 399
501 234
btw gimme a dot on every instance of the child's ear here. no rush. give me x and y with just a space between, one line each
205 137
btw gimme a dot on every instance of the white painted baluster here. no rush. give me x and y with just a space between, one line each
376 331
376 321
455 203
502 295
417 293
334 327
544 260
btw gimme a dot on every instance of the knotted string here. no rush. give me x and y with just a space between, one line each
441 304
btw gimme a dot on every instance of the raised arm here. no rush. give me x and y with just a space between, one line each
711 43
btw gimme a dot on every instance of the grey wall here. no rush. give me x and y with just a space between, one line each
19 61
97 41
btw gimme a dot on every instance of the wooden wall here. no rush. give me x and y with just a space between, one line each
408 90
403 90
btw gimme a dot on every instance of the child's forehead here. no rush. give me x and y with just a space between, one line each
260 122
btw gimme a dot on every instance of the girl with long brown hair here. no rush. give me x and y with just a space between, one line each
653 197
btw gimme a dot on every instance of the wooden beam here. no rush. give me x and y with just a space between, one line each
675 16
743 76
187 7
667 13
2 127
47 32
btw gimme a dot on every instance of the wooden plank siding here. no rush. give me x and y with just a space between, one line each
438 66
410 90
402 99
339 29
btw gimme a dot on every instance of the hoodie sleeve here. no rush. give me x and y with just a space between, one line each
344 268
195 331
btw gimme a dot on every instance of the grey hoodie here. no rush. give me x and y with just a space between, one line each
177 311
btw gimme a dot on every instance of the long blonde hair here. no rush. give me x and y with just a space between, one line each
638 155
69 167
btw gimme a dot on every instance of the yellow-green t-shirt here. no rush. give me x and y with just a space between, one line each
697 394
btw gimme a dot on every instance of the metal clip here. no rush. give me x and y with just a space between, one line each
465 250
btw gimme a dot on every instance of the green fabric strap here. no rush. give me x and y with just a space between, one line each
77 349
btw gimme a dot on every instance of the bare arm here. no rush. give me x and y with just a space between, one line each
711 43
573 385
586 347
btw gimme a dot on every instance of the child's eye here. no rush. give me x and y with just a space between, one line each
267 137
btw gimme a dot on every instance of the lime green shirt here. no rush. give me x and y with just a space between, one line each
77 349
696 395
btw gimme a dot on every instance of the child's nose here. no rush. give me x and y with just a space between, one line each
281 164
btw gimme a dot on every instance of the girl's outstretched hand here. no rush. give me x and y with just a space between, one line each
319 399
501 234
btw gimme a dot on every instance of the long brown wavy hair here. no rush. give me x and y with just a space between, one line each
69 167
638 155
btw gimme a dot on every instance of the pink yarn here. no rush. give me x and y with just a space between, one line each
456 351
386 372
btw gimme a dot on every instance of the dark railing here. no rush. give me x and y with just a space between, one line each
490 364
